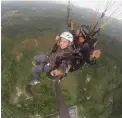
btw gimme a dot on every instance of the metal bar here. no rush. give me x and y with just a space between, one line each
61 106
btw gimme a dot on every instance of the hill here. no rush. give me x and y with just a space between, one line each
31 30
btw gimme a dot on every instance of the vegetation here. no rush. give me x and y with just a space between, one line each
97 90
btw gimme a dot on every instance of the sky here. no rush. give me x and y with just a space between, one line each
116 6
93 4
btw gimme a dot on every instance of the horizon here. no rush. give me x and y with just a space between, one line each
97 6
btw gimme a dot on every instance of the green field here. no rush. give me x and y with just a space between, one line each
96 89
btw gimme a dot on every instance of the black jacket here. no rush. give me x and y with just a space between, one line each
86 48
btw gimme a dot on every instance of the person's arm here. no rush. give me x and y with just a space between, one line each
72 29
62 70
92 58
57 39
72 25
86 52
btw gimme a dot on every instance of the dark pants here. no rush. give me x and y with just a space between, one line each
42 67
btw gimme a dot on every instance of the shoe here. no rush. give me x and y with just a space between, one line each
34 63
34 82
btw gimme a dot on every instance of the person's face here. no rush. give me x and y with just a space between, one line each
81 39
64 43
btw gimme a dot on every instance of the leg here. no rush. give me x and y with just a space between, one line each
40 58
36 71
47 68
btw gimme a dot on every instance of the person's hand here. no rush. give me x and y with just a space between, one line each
96 54
78 32
57 72
57 38
73 24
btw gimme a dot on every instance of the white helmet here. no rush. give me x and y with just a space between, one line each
67 36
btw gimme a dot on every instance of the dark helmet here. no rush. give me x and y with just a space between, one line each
84 30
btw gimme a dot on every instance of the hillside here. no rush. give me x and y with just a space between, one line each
29 28
54 10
